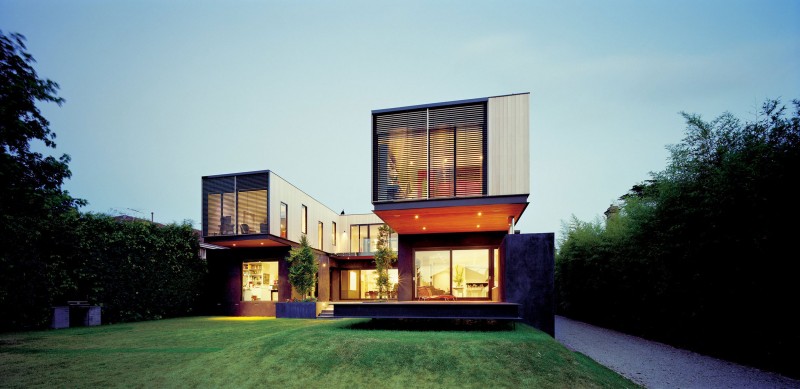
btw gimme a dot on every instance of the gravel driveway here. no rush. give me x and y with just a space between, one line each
657 365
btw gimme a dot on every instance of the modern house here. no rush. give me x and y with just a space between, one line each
451 179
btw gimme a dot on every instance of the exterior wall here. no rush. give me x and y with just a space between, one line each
527 263
281 191
225 280
408 243
508 165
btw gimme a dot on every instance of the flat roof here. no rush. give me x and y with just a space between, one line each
442 104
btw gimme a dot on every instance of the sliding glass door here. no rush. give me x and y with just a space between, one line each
460 273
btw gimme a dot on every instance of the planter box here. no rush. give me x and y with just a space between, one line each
296 310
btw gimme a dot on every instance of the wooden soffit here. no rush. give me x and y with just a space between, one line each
250 241
466 218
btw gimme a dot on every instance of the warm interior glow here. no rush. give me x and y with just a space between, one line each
353 281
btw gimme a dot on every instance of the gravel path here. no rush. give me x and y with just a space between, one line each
657 365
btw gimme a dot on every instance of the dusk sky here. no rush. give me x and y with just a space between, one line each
161 93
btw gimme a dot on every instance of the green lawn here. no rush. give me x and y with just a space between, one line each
287 353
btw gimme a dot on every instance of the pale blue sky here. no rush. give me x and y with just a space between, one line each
160 93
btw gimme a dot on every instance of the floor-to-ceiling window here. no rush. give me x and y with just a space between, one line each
436 152
252 212
363 284
260 281
461 273
235 204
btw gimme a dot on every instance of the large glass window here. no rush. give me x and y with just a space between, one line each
461 273
221 213
235 205
303 219
284 219
363 284
429 153
364 238
253 212
260 281
471 273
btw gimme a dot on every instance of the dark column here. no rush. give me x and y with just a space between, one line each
335 288
405 269
284 287
527 264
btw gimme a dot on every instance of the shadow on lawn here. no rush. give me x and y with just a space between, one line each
433 325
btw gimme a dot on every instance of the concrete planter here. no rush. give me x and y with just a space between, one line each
296 310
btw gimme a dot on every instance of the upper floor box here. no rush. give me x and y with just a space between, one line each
460 156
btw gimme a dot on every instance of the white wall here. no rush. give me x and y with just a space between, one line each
508 164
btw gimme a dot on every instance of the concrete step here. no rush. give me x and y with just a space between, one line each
326 313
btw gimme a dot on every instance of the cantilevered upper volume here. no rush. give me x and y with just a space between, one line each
459 166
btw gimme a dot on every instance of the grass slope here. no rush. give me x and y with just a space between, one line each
257 352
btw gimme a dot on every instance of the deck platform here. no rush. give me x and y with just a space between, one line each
471 310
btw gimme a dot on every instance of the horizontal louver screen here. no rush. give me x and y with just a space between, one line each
251 181
430 153
442 162
400 156
213 188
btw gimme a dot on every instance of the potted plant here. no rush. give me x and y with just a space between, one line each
302 275
458 275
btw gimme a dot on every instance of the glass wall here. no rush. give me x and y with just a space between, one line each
235 204
252 212
362 284
461 273
471 273
364 238
260 281
429 153
433 272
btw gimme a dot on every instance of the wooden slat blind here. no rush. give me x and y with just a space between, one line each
430 153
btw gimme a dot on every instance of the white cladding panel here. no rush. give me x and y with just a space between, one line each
508 162
281 191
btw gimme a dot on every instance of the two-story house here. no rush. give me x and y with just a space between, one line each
451 179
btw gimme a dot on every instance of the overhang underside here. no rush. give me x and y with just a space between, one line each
256 240
465 218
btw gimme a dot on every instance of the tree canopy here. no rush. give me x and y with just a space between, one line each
302 268
694 250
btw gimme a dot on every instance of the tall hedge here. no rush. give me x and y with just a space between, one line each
137 270
703 254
